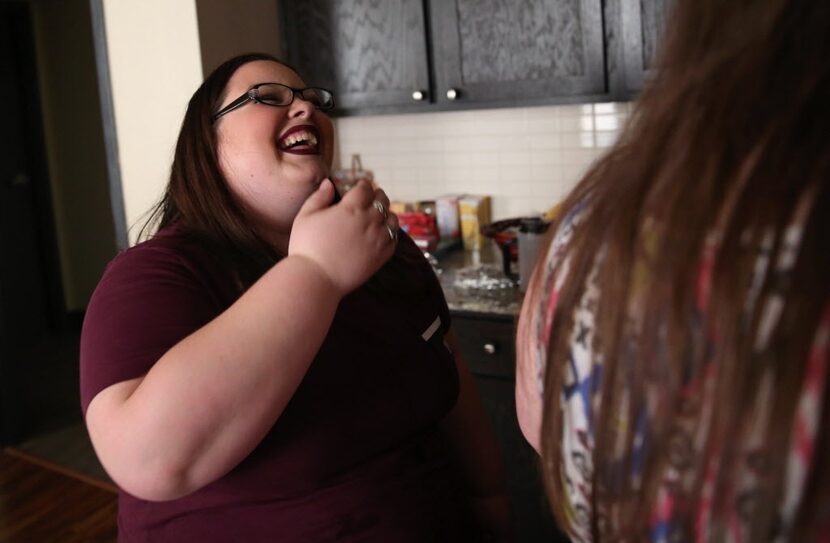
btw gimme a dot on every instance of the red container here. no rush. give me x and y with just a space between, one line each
421 227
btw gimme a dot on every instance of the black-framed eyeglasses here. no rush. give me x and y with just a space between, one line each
279 95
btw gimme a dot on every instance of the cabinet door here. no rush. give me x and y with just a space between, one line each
517 52
369 52
488 345
642 28
532 519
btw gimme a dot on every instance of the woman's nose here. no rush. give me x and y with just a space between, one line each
301 107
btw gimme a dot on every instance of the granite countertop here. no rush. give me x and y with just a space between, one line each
477 268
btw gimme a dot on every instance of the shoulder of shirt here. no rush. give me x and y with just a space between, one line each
564 228
170 250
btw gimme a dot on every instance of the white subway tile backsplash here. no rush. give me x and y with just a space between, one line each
609 122
518 156
514 175
403 175
458 143
481 182
419 160
546 190
527 159
476 158
574 110
546 157
544 141
587 140
611 107
606 139
572 173
575 140
546 173
578 157
546 126
429 144
581 123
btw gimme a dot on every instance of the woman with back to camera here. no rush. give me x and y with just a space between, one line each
272 367
673 344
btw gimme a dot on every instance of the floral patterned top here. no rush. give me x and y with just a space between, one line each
581 396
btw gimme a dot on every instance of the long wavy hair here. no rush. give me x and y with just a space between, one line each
724 147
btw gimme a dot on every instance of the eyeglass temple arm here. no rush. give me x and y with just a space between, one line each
233 105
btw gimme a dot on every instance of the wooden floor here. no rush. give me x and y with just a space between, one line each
68 447
41 502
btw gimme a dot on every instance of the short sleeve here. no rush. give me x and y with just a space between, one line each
148 300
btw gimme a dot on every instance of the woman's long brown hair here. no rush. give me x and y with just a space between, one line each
726 140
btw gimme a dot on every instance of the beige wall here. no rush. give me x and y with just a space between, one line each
155 66
227 29
74 144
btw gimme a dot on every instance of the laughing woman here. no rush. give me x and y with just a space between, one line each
272 365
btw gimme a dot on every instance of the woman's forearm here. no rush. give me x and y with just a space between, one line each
211 398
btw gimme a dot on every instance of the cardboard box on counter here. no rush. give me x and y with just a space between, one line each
446 215
474 211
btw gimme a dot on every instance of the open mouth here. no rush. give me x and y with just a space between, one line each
300 140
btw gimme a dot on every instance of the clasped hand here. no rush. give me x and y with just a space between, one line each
349 240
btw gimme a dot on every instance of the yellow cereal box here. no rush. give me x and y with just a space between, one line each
474 211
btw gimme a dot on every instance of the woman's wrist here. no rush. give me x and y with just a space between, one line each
314 272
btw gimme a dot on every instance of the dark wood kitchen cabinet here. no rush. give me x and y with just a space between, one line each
371 53
429 55
516 51
487 344
642 24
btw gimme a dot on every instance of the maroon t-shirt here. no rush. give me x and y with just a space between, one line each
355 456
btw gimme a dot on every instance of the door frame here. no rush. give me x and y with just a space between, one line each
99 39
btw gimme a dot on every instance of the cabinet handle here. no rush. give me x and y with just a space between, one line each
489 348
452 93
418 95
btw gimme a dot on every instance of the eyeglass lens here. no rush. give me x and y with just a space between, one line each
280 95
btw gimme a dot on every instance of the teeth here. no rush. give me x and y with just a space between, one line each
306 137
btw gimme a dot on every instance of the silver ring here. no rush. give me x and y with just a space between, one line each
379 206
393 234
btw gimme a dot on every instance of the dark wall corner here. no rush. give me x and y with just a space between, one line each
227 29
